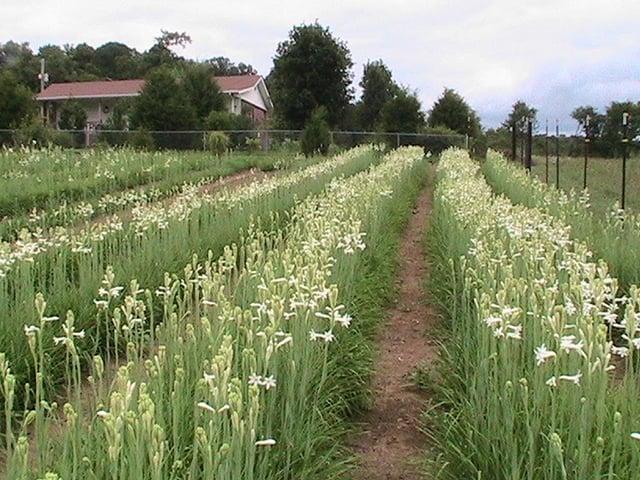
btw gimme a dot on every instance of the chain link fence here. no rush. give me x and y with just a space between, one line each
263 140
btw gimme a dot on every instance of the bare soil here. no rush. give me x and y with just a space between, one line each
391 445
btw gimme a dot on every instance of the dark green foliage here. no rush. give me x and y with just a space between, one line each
163 104
72 116
227 121
611 139
519 113
316 137
403 113
16 103
222 66
141 139
217 143
311 68
378 88
202 91
33 133
120 115
117 61
453 112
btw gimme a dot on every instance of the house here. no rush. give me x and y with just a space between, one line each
244 95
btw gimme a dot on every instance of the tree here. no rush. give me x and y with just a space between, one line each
202 90
378 88
117 61
72 116
520 111
172 39
596 119
612 128
316 137
163 104
59 66
403 113
16 101
311 69
19 58
453 112
222 66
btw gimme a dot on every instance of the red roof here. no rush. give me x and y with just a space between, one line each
237 83
100 89
125 88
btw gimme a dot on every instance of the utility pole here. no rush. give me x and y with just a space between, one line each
528 159
44 79
557 154
586 151
546 151
625 142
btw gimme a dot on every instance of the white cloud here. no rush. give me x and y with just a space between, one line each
555 53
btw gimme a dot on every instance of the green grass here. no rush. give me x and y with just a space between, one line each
604 179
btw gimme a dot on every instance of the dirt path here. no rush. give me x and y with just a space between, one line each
391 446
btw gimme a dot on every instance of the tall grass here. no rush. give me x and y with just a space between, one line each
48 188
614 237
68 269
251 366
529 386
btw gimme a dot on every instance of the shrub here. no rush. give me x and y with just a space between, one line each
227 121
217 143
72 116
63 139
316 136
33 133
141 139
253 144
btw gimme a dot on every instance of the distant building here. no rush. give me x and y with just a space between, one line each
244 95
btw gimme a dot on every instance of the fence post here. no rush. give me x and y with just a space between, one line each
528 159
546 151
204 141
466 141
513 141
557 154
586 152
625 142
397 140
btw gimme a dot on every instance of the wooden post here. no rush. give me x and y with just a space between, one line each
528 160
625 142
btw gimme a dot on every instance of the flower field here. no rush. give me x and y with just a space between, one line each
231 365
536 387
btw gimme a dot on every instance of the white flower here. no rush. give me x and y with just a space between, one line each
206 406
635 435
103 414
493 321
31 330
543 354
568 343
269 382
498 332
620 351
575 379
514 332
59 340
224 408
344 320
551 382
269 442
255 379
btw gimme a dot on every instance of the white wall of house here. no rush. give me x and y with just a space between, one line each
254 97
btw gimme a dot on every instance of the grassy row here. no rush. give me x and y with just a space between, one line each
254 363
530 389
614 237
174 170
70 271
45 178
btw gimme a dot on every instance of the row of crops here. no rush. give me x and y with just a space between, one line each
238 363
539 378
48 188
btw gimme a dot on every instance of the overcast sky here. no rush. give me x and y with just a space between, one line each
554 54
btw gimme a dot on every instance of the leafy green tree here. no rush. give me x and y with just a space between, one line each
19 59
403 113
59 65
378 88
596 119
520 111
612 129
72 116
310 69
316 137
83 57
117 61
203 91
163 104
16 101
453 112
222 66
